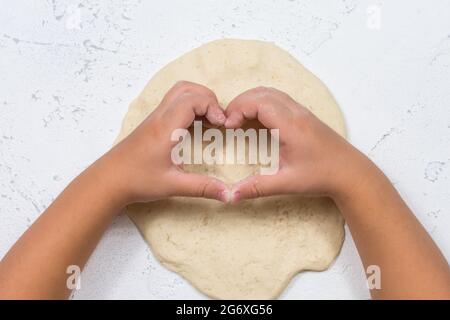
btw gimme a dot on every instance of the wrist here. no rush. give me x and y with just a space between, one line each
356 171
110 178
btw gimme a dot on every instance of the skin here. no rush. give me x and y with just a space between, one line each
314 161
137 169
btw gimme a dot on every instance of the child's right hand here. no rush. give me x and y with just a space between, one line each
314 159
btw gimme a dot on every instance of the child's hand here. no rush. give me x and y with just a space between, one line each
313 157
314 160
142 161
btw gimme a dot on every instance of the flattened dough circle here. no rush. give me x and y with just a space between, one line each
252 250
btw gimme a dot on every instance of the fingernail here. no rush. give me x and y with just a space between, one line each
220 118
236 196
224 196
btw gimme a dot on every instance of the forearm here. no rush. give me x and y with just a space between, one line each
65 234
138 169
388 235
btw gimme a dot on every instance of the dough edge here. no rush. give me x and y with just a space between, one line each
136 106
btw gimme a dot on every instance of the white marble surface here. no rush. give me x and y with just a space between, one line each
68 70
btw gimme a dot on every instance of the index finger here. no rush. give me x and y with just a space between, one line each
185 108
267 105
185 97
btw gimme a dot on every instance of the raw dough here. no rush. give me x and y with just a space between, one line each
252 250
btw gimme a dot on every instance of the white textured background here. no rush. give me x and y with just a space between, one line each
68 70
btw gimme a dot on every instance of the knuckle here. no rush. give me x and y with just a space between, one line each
273 90
266 90
303 115
203 188
255 189
283 95
185 95
183 86
182 100
181 83
261 91
304 124
155 130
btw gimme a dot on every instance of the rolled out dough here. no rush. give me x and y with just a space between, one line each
251 250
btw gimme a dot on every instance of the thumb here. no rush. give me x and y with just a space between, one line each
258 186
198 185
